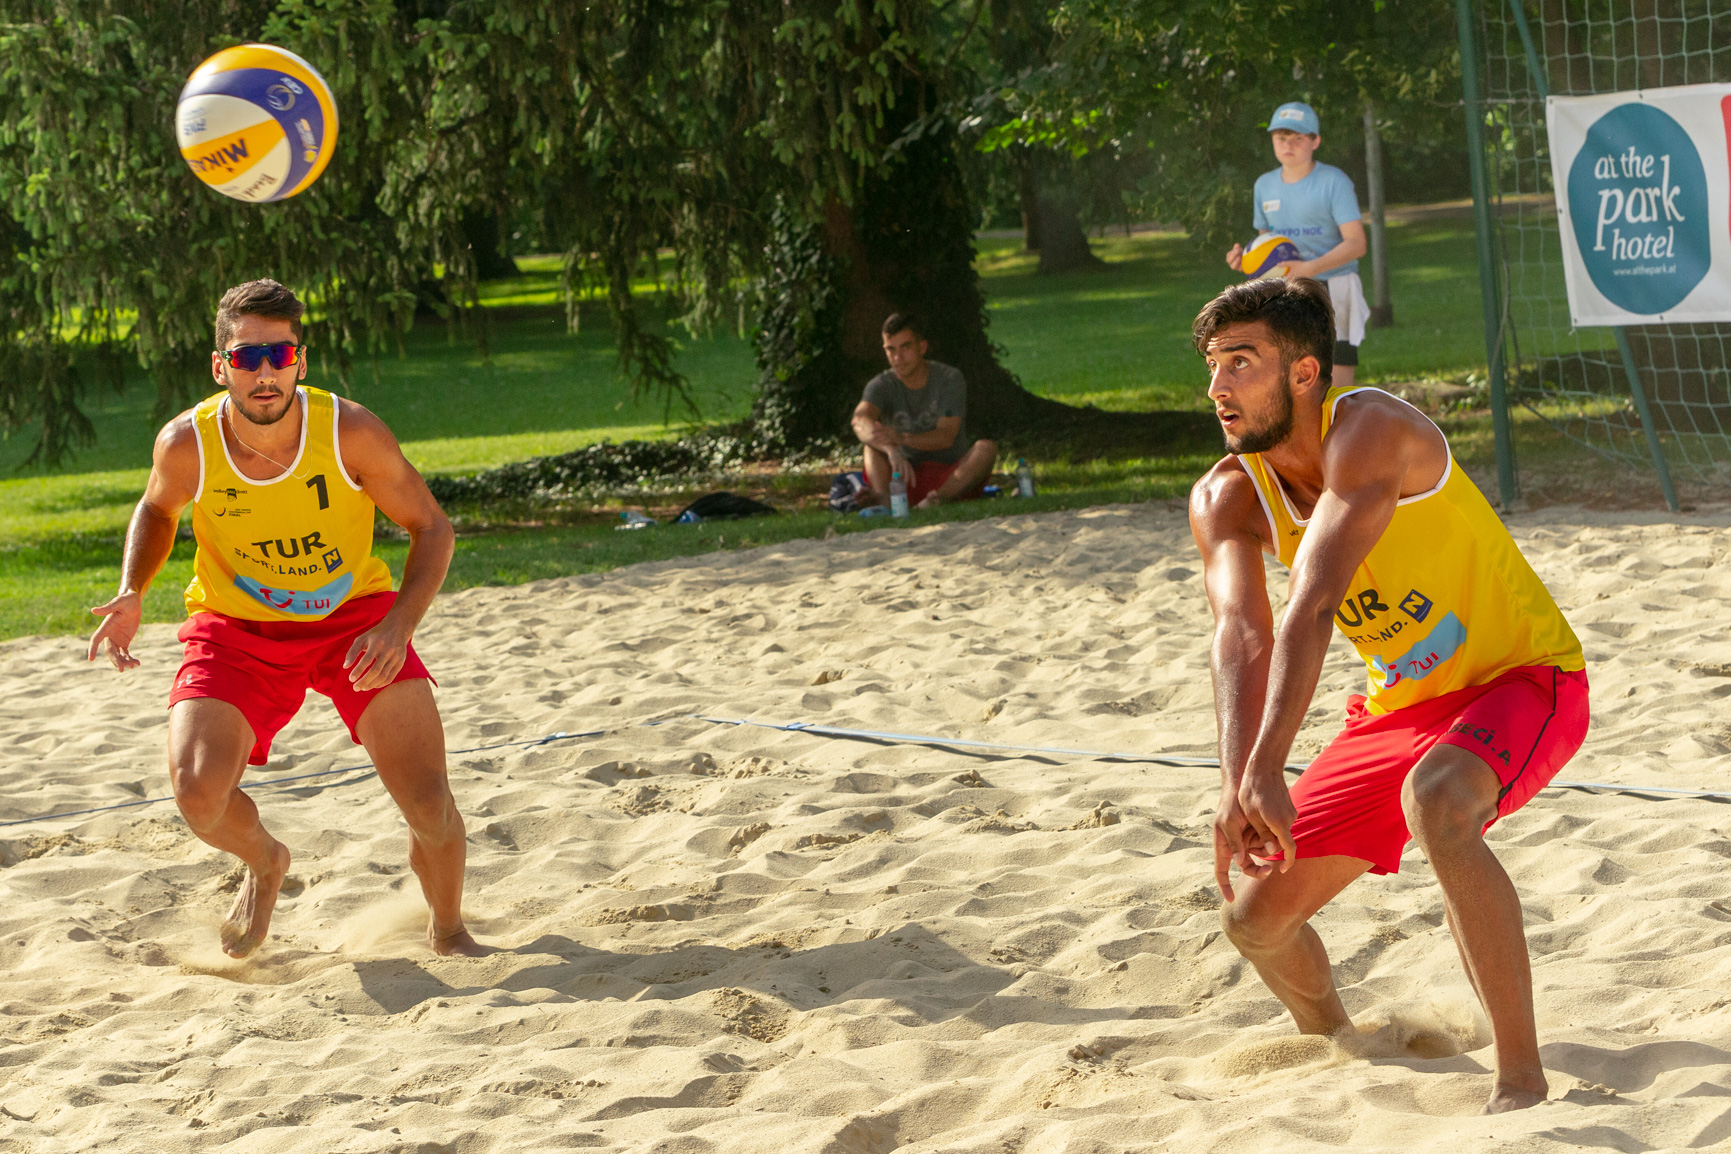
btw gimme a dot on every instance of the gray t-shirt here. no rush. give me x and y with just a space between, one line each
919 410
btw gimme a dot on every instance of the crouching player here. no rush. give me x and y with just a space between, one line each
1477 692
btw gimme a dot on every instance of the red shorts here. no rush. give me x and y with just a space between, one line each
1525 725
264 668
928 475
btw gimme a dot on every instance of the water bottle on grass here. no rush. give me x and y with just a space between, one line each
1024 478
898 495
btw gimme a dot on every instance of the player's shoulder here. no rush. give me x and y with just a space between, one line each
1370 419
1224 504
354 415
180 432
1224 488
361 431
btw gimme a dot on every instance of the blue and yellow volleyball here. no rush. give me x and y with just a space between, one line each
1269 255
256 122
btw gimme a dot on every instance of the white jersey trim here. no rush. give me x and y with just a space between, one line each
337 442
1267 511
198 439
1448 460
1448 453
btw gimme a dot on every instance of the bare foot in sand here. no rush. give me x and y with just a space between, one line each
456 944
1505 1098
248 921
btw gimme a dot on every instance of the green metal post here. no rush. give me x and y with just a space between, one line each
1533 67
1660 465
1489 291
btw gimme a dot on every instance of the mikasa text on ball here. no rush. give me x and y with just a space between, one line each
1269 255
257 123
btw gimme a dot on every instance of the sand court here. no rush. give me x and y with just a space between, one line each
724 938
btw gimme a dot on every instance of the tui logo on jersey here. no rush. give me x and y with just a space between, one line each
314 603
1422 659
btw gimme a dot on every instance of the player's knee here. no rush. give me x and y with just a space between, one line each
986 449
1440 804
1253 928
202 803
432 813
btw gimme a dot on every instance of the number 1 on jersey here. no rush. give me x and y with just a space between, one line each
318 483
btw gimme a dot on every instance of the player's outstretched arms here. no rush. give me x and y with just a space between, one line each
172 486
1232 533
375 462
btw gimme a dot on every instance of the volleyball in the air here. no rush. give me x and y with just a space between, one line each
1269 255
256 122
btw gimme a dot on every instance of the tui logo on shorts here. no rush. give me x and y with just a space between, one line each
1422 659
315 603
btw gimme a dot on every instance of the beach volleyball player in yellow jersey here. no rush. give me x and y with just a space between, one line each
286 596
1476 693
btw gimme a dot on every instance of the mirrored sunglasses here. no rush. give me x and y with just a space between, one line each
247 358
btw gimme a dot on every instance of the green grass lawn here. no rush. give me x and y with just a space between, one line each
1116 337
1119 337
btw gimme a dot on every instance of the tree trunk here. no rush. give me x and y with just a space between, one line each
1382 305
1028 189
905 245
481 230
1063 243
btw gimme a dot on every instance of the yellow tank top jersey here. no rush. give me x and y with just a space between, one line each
1444 600
292 548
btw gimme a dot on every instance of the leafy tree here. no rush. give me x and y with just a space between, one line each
732 134
1182 89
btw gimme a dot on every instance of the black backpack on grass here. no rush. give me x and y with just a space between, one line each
723 507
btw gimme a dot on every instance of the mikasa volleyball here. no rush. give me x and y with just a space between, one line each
1269 255
257 123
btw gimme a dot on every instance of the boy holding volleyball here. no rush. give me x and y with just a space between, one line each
1315 206
286 596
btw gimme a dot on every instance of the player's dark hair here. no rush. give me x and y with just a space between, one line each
903 322
1297 312
257 298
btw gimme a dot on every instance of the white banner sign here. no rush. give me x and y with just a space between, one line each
1643 183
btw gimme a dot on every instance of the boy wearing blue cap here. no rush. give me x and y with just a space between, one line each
1316 207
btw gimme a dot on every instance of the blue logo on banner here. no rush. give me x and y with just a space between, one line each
1638 197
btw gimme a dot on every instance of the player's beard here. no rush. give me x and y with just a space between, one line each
1275 426
251 412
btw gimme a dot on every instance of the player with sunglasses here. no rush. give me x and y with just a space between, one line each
286 596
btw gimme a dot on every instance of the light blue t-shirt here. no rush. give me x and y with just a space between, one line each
1310 212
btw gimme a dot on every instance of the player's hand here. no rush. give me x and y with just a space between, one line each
1230 830
1269 813
120 617
377 656
1300 268
1235 258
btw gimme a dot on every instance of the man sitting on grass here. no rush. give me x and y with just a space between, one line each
911 420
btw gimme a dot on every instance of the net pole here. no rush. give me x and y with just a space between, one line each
1639 396
1489 294
1537 71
